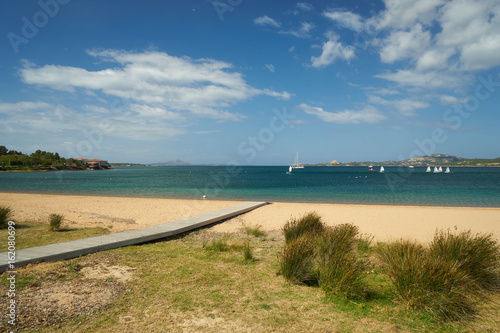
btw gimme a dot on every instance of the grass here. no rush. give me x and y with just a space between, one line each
55 222
477 255
181 285
426 283
5 213
298 261
296 227
341 271
35 234
254 231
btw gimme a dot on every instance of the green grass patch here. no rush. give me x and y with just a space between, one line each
254 231
35 234
55 222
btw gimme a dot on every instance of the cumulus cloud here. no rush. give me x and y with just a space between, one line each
368 114
405 44
346 19
204 87
332 50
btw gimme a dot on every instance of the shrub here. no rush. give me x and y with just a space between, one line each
254 231
55 222
341 272
427 283
4 216
247 252
477 255
309 223
298 261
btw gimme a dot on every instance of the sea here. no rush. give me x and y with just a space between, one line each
463 186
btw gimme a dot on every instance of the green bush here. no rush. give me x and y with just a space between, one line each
298 261
427 283
477 255
247 252
309 223
55 222
4 216
341 272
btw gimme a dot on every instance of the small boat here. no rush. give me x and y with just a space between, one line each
440 169
297 165
428 169
447 170
289 170
411 166
382 169
436 170
370 168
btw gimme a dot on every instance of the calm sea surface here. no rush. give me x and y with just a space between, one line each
475 187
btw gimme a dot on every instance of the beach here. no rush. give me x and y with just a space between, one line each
384 222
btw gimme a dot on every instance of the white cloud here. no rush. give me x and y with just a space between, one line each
40 119
406 107
331 51
302 32
405 44
346 19
305 6
266 20
436 58
270 67
427 80
404 14
202 87
368 114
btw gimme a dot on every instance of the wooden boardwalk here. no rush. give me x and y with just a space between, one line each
73 249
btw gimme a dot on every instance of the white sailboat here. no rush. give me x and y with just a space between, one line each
440 169
382 169
447 170
428 169
289 170
436 170
297 165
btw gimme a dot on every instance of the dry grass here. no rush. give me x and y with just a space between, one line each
180 286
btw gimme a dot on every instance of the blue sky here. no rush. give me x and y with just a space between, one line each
250 82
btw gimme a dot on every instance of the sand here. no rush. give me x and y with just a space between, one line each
384 222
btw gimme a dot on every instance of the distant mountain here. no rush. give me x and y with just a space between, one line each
434 159
172 163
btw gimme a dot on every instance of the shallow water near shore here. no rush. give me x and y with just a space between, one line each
465 186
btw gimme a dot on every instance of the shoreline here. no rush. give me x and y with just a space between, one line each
384 222
243 200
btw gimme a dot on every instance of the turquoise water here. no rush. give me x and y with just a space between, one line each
475 187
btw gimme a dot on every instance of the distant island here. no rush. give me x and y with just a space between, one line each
433 159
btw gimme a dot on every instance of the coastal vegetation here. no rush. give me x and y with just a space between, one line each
202 281
55 222
12 160
5 213
433 159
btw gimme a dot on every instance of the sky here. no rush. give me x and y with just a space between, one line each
250 82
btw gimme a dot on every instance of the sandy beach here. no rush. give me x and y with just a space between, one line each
384 222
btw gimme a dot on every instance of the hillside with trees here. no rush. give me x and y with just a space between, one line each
12 160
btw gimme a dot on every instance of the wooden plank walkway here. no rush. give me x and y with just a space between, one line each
73 249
